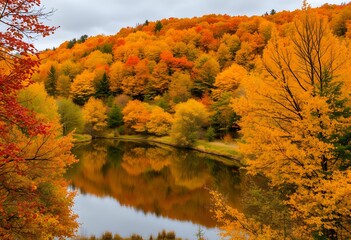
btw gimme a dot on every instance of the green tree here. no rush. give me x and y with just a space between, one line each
210 134
115 118
51 82
223 117
158 26
71 116
102 88
189 117
83 38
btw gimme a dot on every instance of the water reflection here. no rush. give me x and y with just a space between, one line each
161 182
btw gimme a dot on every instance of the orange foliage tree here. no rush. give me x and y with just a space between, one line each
34 203
136 115
296 123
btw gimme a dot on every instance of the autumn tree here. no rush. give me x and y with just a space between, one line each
245 55
34 202
233 42
160 79
160 122
82 87
189 117
223 55
71 69
95 115
296 124
136 76
136 115
116 75
339 22
71 116
205 71
228 80
35 98
180 86
95 59
63 86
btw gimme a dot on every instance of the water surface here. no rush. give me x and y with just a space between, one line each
143 188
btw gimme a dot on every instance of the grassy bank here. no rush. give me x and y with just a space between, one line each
227 150
78 138
218 148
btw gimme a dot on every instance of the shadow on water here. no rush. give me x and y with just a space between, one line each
154 179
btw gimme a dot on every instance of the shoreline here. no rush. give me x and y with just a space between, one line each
220 149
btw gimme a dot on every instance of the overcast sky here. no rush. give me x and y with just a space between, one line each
93 17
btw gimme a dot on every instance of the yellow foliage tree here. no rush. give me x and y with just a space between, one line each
95 114
228 80
160 122
96 59
296 128
34 196
136 115
116 75
83 87
35 98
33 192
189 117
180 86
63 85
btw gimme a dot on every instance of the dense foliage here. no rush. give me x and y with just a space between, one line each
34 202
283 78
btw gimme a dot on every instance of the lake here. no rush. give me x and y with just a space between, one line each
129 187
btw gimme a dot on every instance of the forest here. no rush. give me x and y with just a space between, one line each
277 84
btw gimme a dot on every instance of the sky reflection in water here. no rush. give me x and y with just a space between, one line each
109 215
131 187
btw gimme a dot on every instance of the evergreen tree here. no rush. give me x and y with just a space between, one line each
50 84
71 43
102 89
158 26
115 117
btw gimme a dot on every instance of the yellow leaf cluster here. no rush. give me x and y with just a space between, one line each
95 114
291 115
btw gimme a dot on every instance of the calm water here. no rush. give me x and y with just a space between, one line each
136 187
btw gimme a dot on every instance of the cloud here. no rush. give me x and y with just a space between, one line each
93 17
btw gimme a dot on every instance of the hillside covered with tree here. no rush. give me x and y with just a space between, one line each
279 83
168 62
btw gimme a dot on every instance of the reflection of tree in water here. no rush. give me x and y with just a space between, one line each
189 170
160 180
142 160
225 177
